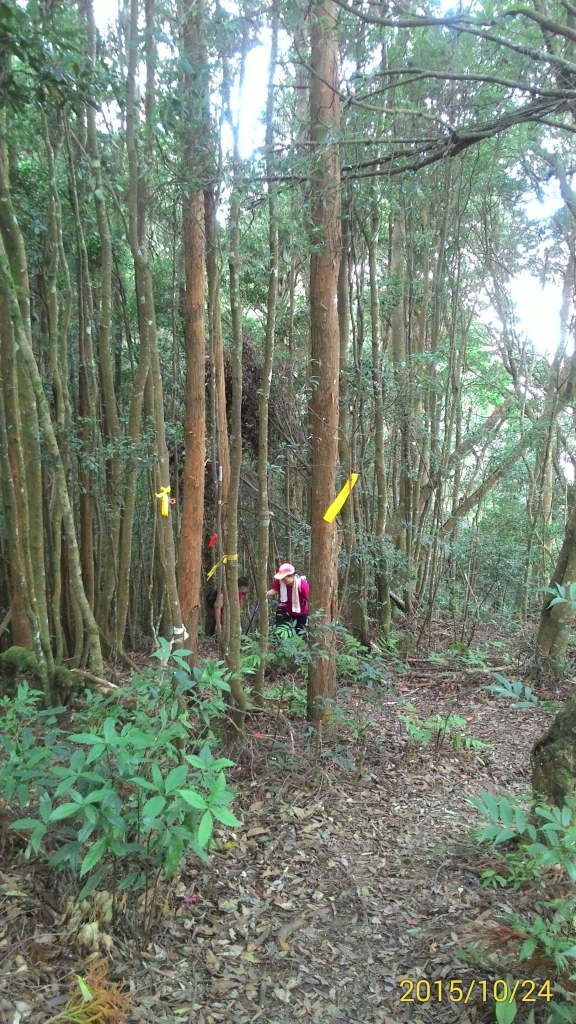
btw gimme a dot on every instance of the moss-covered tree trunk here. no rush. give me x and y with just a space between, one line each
554 757
556 619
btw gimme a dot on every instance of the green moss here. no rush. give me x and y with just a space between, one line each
18 665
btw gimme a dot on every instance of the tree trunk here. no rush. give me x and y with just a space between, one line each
554 757
191 531
384 605
325 349
346 447
264 396
232 604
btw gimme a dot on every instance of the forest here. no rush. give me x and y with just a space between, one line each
287 512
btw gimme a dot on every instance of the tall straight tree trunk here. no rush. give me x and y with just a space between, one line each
263 400
148 359
13 481
21 608
555 625
346 447
191 535
110 417
161 470
384 607
232 607
325 348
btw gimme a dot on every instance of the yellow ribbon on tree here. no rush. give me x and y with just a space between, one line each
332 512
225 558
163 495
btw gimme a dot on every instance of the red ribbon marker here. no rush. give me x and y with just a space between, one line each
212 540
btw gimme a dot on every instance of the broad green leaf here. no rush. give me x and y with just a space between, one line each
109 730
93 882
153 807
175 778
144 784
63 811
98 795
218 788
527 948
225 816
195 761
95 854
491 806
173 855
85 737
205 829
25 823
95 753
505 1011
65 786
37 836
192 797
506 833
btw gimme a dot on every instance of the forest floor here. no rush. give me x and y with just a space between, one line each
355 868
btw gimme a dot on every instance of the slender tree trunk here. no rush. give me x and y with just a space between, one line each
384 606
13 479
346 447
325 349
191 532
232 607
110 417
264 396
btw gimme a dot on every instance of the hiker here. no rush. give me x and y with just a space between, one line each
292 592
215 602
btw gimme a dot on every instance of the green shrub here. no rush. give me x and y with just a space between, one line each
117 795
437 729
545 839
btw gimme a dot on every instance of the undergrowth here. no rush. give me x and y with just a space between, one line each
118 791
534 849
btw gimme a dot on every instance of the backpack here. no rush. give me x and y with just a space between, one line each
211 598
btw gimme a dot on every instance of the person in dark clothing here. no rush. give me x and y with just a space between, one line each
292 592
215 602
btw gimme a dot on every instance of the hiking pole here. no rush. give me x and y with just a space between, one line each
256 607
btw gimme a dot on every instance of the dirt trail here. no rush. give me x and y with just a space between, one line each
334 889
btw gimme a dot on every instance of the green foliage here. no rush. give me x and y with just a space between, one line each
23 710
548 836
47 64
562 595
357 664
522 695
545 841
116 792
437 729
292 693
287 650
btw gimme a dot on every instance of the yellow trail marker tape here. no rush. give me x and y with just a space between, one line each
225 558
338 502
163 495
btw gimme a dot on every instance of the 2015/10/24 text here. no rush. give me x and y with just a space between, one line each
423 991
